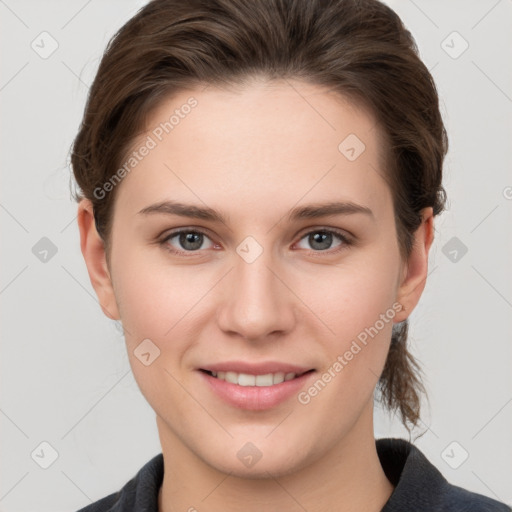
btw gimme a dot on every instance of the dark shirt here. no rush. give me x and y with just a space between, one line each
419 486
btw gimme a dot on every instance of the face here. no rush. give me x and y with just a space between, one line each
262 293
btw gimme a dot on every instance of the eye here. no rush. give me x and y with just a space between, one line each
322 239
188 239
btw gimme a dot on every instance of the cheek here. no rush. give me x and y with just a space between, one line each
156 305
154 297
359 309
166 304
360 293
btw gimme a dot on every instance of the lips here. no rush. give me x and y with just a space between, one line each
255 386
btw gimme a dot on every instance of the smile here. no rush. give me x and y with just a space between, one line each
255 392
246 379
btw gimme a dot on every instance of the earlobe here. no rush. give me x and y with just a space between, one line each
93 251
416 269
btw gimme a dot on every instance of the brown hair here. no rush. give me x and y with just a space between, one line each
359 48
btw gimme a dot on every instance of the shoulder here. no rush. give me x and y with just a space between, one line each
419 484
139 493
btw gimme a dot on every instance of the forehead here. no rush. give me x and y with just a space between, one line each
246 144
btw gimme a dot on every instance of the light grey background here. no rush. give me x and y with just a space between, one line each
65 374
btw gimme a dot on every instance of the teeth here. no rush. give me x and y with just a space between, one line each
264 380
278 378
245 379
231 377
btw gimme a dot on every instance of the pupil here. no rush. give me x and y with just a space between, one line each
191 238
319 238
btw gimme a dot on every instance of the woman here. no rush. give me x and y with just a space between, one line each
259 182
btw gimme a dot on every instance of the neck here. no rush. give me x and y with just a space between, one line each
348 477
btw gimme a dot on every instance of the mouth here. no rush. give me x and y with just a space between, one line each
261 380
255 387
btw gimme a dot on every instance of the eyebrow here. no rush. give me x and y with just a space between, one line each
311 211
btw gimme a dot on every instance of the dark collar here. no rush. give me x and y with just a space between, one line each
415 479
420 486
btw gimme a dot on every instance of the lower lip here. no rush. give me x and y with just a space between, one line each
256 398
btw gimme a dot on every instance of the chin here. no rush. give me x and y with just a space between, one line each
258 459
262 470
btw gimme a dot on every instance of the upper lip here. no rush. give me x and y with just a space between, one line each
255 368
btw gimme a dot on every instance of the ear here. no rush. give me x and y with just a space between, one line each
93 251
414 271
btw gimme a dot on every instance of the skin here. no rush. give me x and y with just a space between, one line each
254 153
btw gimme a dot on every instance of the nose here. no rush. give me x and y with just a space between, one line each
259 304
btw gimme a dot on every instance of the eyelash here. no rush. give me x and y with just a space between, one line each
346 241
